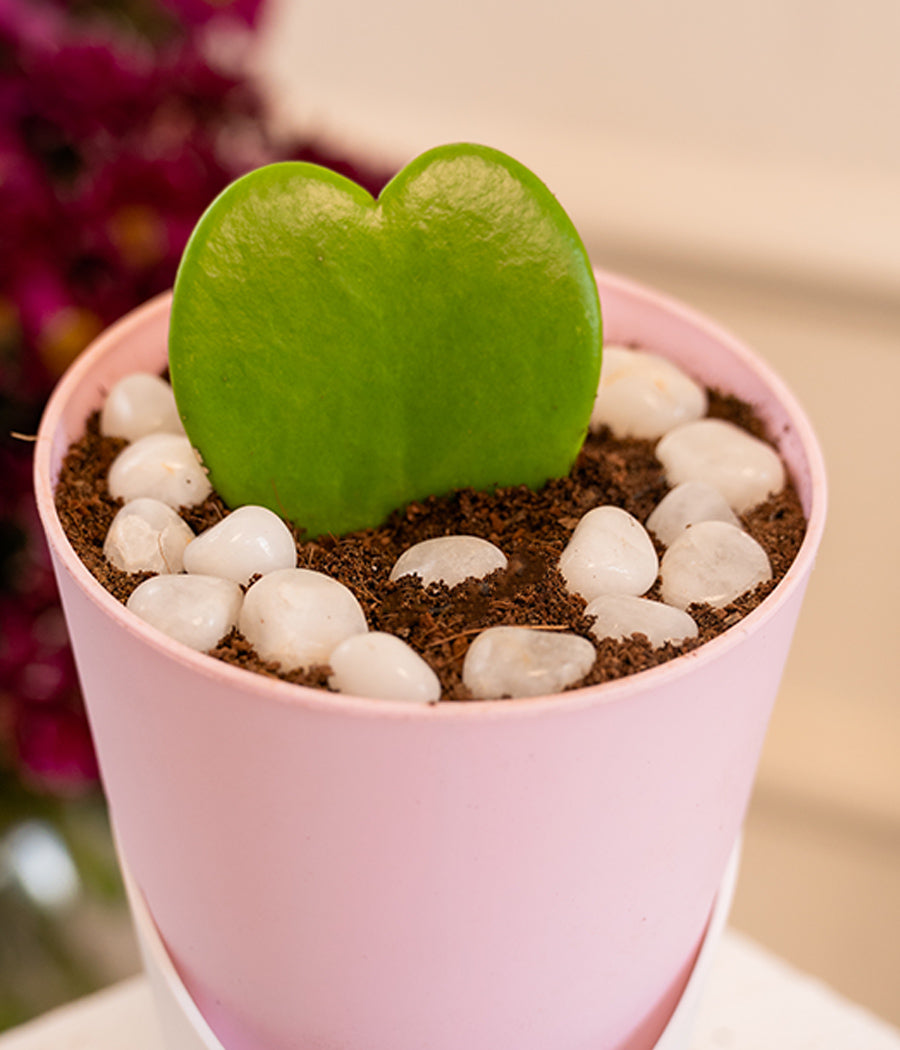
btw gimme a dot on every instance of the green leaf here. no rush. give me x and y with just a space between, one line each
334 357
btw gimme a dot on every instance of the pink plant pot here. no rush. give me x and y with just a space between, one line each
183 1027
332 872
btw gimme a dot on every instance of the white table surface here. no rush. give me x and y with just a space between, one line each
753 1001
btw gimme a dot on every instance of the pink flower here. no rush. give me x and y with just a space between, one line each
55 749
40 702
198 12
113 140
88 92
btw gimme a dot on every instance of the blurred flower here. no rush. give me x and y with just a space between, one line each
119 123
197 12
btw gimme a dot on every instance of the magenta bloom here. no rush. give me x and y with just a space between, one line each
199 12
115 134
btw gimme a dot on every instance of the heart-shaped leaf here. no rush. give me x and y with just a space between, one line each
334 357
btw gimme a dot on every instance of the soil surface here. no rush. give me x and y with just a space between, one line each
531 528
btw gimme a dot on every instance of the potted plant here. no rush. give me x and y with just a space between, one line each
324 870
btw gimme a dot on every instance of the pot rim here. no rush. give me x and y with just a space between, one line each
618 690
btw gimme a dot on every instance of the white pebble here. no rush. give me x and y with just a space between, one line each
250 540
137 405
685 505
147 535
712 562
298 617
743 468
609 552
449 560
383 667
196 610
644 395
161 466
621 615
521 661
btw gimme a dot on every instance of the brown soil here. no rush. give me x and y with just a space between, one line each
531 528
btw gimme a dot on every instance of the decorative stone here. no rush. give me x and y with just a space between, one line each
383 667
147 535
195 610
521 661
685 505
609 552
250 540
449 560
644 395
137 405
621 615
743 468
712 562
297 617
161 466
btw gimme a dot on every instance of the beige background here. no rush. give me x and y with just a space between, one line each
745 157
764 132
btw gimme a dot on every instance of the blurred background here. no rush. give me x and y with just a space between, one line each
741 157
